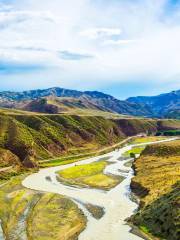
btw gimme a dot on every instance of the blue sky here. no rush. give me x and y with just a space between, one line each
124 48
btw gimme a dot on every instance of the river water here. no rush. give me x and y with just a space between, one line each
116 202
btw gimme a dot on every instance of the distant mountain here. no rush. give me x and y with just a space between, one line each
60 100
87 99
163 105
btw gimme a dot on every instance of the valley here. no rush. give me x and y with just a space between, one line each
89 120
67 175
116 202
31 197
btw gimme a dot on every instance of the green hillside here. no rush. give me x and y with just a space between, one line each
157 184
27 139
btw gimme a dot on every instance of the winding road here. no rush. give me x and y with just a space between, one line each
116 202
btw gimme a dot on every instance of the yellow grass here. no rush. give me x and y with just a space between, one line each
147 139
89 175
159 170
40 215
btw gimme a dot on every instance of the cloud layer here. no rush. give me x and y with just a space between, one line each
94 44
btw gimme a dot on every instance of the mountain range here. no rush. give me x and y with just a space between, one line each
59 100
166 105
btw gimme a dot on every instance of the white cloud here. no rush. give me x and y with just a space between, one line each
95 33
72 56
130 40
14 17
120 42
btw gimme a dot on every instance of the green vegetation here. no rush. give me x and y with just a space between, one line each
29 140
31 137
161 217
157 183
147 139
83 170
144 229
34 216
60 161
7 158
169 133
75 158
25 139
89 175
135 150
9 173
43 137
42 140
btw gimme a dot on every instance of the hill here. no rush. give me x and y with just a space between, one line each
28 100
33 137
157 184
164 105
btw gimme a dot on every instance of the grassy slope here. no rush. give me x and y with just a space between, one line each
89 175
157 184
33 215
29 138
73 106
50 136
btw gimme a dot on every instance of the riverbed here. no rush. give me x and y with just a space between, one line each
117 202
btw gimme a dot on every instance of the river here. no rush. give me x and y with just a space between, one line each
116 202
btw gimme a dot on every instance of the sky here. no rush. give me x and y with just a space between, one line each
121 47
